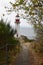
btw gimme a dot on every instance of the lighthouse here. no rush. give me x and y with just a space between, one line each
17 25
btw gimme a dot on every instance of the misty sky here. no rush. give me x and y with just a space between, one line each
11 17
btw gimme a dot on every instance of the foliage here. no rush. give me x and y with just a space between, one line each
6 34
26 39
34 9
7 37
37 18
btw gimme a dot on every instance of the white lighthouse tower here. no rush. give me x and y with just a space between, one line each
17 25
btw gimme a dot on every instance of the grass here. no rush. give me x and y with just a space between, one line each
26 39
38 56
2 57
13 50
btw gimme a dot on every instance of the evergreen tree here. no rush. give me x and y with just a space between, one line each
7 38
6 34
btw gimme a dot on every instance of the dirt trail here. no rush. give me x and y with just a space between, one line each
25 57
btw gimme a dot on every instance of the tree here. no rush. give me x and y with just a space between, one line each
7 37
34 9
37 16
6 33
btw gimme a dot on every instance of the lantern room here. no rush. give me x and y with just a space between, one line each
17 20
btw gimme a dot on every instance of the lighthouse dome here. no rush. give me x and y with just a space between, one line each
17 15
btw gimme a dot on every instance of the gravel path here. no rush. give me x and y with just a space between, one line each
25 57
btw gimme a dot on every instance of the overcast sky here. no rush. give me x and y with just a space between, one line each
11 18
